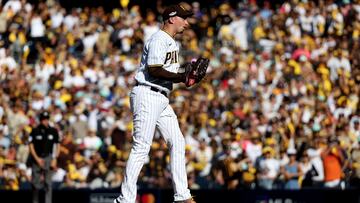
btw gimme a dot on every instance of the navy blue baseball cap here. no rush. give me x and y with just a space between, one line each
176 10
44 115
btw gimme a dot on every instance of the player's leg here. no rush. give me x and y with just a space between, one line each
36 181
170 130
48 180
146 106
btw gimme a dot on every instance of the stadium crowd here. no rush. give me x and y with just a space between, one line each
279 107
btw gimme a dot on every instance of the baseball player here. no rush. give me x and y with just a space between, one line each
150 106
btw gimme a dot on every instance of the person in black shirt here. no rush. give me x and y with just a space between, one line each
44 149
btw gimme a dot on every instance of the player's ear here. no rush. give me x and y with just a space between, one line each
171 20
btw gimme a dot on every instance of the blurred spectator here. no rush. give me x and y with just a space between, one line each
333 158
355 181
4 140
315 176
292 171
91 143
67 150
269 169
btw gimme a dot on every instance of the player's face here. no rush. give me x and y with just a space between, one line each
181 24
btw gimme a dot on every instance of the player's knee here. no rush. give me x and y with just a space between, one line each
141 148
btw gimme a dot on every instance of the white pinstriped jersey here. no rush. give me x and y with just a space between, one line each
160 50
151 110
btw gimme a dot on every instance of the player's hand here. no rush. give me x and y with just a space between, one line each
41 162
53 164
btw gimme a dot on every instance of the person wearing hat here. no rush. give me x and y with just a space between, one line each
44 149
150 106
292 171
269 168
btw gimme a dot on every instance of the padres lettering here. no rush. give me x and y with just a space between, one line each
173 56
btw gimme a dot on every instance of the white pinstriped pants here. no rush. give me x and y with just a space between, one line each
151 109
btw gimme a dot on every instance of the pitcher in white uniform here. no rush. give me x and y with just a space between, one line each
150 107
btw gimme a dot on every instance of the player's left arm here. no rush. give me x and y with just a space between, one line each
155 61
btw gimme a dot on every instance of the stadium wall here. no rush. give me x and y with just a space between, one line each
201 196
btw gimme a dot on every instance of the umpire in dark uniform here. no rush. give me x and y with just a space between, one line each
44 150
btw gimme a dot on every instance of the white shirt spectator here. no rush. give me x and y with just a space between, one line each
57 19
89 41
270 167
4 141
337 22
91 75
129 65
305 167
345 64
47 101
9 62
67 82
59 175
93 120
238 30
267 44
1 114
300 10
204 155
316 161
28 7
293 28
37 104
44 72
306 22
120 81
14 5
125 35
317 52
318 22
84 171
306 116
253 151
334 64
261 74
40 86
235 149
107 81
91 143
193 143
346 112
37 27
70 21
78 81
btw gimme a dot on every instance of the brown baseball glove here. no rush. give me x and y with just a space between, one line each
195 71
